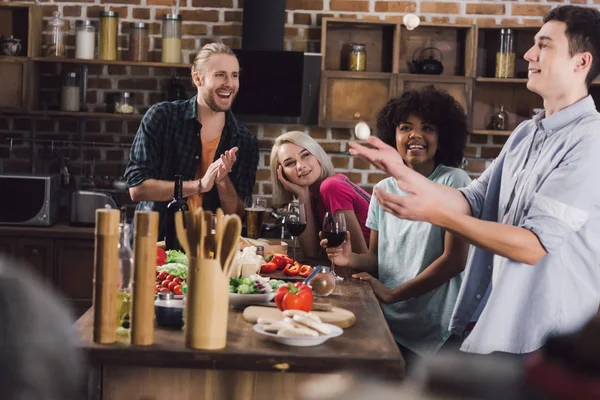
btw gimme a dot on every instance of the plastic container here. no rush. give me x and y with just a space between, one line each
171 38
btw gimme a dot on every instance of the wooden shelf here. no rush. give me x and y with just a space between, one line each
7 59
491 132
85 114
501 80
107 62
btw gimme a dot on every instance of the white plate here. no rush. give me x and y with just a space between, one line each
243 300
300 341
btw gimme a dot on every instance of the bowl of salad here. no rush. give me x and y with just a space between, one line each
254 289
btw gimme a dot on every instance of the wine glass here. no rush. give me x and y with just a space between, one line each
334 230
295 222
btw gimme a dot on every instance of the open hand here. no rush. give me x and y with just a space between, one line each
297 190
227 160
383 156
208 180
413 207
382 293
338 255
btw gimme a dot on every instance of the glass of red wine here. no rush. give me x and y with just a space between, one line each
295 222
334 230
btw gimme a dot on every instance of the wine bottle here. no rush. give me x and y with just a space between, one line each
176 205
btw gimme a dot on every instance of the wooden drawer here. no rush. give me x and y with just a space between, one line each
349 97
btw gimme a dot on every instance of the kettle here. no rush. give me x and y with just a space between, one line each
430 66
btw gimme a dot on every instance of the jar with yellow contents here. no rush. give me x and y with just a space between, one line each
357 60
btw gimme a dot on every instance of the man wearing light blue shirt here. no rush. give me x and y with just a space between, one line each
533 217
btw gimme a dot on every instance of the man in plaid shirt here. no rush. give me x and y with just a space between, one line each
199 139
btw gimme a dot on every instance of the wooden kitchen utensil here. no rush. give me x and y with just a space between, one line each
106 279
229 242
337 316
144 277
207 298
209 239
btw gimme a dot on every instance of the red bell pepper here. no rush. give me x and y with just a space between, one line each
161 257
296 296
281 260
305 271
268 268
291 270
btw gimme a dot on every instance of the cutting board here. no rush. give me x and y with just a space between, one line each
337 316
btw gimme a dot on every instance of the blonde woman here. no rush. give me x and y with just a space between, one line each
300 168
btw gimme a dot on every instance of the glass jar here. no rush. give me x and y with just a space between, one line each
171 38
107 42
56 36
124 103
125 276
499 121
70 92
139 41
505 58
323 283
85 39
357 60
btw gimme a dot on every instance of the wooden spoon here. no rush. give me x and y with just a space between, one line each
191 231
230 241
181 232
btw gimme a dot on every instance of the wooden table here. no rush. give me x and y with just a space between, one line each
249 366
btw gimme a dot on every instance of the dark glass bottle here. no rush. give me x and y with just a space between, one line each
175 90
177 204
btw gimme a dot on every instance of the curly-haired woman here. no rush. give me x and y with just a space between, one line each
419 265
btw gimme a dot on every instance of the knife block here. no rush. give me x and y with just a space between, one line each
206 305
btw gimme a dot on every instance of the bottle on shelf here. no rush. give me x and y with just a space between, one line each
85 40
171 38
56 38
175 90
499 121
176 205
107 41
125 276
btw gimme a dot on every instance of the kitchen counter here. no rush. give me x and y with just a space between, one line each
59 230
248 362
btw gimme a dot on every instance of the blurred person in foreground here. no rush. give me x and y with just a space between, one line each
38 354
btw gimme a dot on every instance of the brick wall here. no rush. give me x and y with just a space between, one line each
209 20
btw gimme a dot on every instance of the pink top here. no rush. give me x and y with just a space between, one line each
339 193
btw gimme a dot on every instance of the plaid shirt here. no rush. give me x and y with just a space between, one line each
168 143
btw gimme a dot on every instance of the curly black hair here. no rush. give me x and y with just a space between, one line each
583 33
436 107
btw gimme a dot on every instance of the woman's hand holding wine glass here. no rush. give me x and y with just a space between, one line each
334 231
338 255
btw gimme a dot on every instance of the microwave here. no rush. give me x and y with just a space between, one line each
28 199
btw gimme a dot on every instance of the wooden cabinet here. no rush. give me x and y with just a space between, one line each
38 254
347 98
74 271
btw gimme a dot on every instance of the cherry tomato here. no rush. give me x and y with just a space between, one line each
177 290
170 277
164 290
178 280
166 283
172 285
162 276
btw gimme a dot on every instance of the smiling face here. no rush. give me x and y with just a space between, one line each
299 165
417 143
553 73
218 83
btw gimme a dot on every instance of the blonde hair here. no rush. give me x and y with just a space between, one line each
206 52
280 194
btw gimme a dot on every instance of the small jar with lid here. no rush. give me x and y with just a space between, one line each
171 38
139 41
357 60
107 41
56 36
85 39
70 92
124 103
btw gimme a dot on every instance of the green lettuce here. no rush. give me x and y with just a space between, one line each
176 256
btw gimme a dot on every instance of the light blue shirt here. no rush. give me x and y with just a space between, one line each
545 180
405 249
